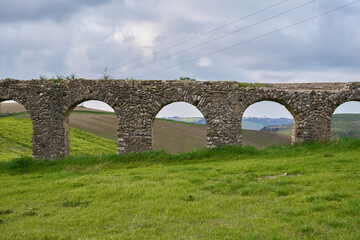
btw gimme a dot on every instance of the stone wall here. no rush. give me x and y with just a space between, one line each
136 104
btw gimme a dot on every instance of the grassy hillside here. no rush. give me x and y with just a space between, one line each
293 192
346 125
16 138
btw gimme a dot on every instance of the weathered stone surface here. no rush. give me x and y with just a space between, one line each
136 104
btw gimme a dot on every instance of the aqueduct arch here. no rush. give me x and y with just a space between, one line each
18 97
283 99
344 120
66 120
136 104
167 142
197 100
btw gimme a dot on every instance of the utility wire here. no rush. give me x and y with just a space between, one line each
225 35
197 36
252 39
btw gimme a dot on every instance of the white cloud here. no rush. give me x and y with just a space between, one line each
204 62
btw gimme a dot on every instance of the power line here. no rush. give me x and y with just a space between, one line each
225 35
252 39
197 36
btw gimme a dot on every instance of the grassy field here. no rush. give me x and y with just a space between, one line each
293 192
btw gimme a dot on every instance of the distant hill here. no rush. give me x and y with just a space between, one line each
196 120
283 129
343 125
254 123
251 123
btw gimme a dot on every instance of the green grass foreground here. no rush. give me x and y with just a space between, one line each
308 191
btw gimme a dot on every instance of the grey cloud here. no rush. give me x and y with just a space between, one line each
333 44
57 10
83 43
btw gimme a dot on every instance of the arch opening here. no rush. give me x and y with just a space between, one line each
16 131
345 121
91 129
266 123
179 127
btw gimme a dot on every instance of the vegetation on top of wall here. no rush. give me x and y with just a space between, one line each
105 75
58 78
251 85
187 79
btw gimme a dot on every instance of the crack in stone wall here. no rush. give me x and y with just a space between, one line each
136 104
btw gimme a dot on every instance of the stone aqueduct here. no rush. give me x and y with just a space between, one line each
136 104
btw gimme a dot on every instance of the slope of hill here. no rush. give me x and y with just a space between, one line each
178 137
16 139
11 107
263 139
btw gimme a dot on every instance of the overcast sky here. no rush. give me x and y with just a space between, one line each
83 37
